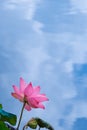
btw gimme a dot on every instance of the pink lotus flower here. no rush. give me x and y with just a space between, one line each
30 95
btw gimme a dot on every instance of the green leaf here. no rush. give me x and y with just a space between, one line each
0 106
37 121
3 126
43 124
8 117
32 123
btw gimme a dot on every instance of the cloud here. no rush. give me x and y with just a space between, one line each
27 10
26 7
37 26
79 6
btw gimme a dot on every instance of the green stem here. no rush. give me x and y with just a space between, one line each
39 128
21 116
23 128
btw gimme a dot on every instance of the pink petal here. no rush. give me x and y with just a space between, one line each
32 102
16 89
41 98
28 90
17 96
36 90
22 85
27 107
40 106
35 104
43 94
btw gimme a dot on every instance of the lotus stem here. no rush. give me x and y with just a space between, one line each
21 116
